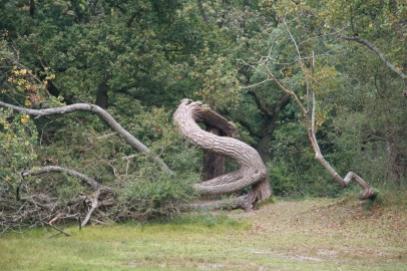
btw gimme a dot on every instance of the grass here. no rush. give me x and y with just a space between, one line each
312 234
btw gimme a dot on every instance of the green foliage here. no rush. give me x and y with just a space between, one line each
151 194
18 137
141 57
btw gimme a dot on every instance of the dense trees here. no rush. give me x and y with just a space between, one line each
138 59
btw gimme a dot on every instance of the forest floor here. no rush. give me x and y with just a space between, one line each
311 234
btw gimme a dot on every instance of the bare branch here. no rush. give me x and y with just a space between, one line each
94 199
94 205
103 114
57 169
58 229
377 51
256 84
368 192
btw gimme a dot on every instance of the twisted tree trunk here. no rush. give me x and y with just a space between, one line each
252 171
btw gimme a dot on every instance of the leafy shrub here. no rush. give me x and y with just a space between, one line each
154 195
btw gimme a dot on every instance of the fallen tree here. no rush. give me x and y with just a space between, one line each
42 209
103 114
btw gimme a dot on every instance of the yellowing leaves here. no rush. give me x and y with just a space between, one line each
27 103
320 118
324 79
17 71
25 119
50 77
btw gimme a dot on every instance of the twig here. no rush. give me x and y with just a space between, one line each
94 205
58 229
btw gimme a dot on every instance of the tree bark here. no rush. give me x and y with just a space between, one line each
252 171
213 163
32 8
102 98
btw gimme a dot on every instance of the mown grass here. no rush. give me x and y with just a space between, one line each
314 234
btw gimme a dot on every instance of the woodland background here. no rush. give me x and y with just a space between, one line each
138 59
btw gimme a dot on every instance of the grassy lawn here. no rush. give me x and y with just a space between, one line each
314 234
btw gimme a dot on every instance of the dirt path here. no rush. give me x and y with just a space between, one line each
334 230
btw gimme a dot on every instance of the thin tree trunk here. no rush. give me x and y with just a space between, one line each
102 98
32 8
202 11
308 113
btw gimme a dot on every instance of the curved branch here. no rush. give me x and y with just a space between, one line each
377 51
368 192
57 169
252 169
103 114
289 92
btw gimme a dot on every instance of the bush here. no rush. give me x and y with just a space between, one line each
153 195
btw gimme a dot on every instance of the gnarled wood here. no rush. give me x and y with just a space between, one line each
213 163
252 171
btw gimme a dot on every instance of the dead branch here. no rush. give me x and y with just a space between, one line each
103 114
377 51
368 192
94 205
58 229
94 199
57 169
